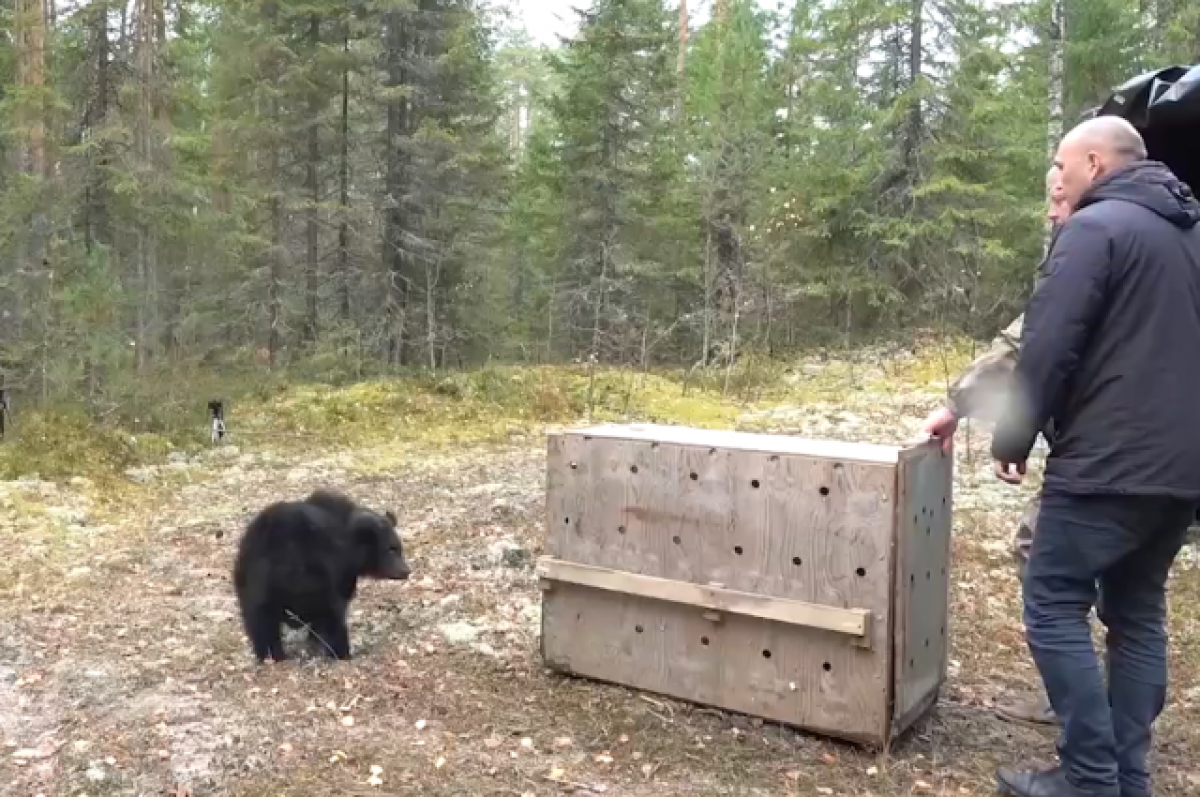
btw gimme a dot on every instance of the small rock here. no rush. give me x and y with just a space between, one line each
140 475
510 554
459 633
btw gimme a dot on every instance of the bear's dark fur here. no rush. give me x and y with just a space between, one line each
299 563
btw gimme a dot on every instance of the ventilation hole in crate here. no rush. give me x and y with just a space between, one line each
860 572
926 643
927 531
737 550
837 466
826 666
928 574
587 437
712 452
638 628
754 483
566 521
578 616
654 444
574 465
943 631
695 476
766 654
675 539
943 500
797 561
633 468
824 491
774 458
943 571
912 578
703 640
620 529
916 519
911 664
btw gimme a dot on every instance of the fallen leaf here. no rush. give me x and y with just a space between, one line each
604 758
441 762
872 771
921 785
527 743
824 790
348 721
420 725
829 758
557 773
563 742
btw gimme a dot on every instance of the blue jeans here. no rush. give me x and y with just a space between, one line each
1115 552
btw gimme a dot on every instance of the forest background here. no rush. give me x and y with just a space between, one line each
200 195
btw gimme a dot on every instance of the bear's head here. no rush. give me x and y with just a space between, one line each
381 554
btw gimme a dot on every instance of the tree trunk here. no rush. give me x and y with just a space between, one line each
95 202
147 266
313 185
344 188
1056 35
681 59
398 109
275 212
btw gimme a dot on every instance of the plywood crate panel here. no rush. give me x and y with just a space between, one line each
801 581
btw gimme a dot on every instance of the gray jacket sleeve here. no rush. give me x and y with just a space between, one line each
981 389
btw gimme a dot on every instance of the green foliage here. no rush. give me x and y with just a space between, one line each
242 194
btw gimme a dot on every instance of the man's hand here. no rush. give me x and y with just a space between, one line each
941 424
1011 472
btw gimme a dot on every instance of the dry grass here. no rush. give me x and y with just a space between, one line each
124 670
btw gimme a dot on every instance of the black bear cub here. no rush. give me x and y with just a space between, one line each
299 563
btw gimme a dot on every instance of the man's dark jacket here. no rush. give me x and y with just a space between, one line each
1110 349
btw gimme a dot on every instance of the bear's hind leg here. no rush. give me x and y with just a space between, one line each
262 625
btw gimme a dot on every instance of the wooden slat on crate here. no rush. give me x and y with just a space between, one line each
748 441
855 623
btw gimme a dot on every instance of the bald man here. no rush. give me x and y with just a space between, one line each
1108 352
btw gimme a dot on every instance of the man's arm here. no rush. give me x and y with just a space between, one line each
1058 323
977 390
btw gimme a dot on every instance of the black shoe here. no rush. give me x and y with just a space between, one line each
1049 783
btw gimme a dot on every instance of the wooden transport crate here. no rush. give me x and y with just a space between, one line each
801 581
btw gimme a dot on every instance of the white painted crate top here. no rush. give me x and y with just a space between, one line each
747 441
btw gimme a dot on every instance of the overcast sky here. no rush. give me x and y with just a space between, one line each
547 19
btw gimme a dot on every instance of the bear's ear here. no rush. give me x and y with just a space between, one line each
391 518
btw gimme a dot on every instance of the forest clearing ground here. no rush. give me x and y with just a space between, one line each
124 669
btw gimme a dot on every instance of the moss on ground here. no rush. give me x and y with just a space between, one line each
492 404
